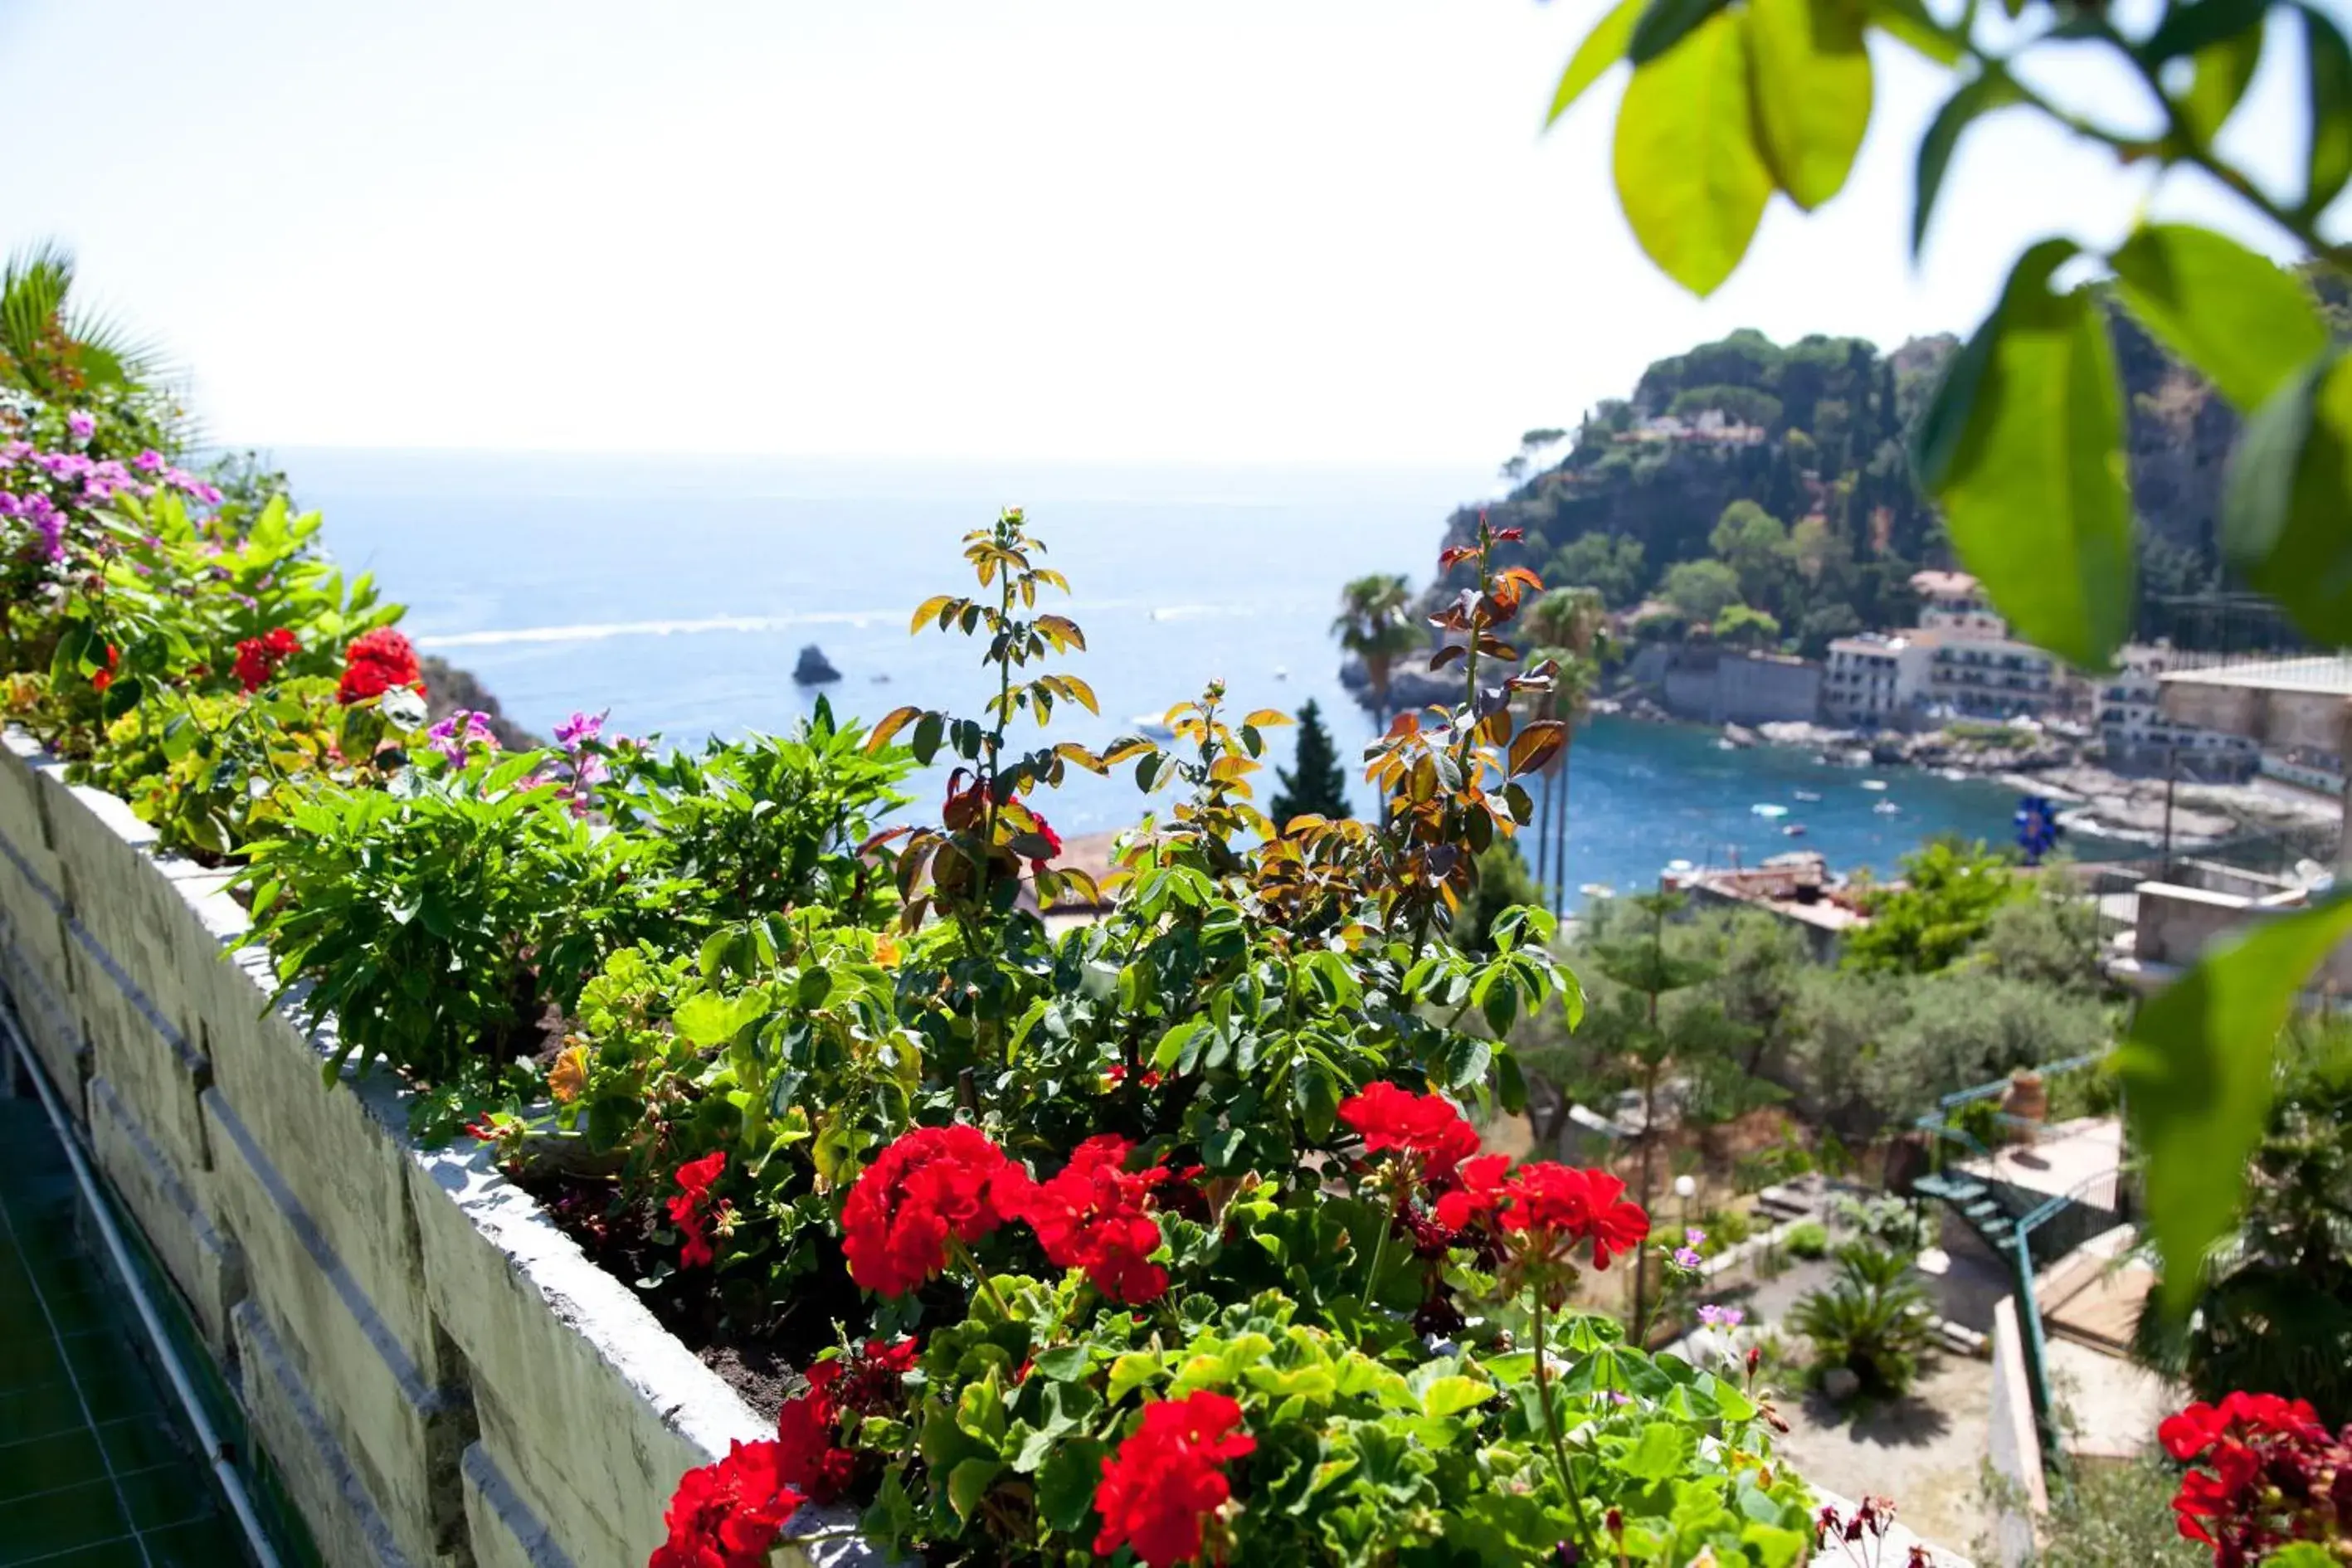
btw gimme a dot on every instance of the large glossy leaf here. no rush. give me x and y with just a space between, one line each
1688 174
1603 48
2327 75
1977 96
2197 1075
2247 325
2023 446
1810 77
2288 496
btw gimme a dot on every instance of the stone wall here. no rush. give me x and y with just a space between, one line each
439 1374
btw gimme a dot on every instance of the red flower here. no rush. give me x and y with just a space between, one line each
1556 1206
1424 1126
1091 1216
934 1183
1053 839
105 678
375 663
1169 1476
728 1515
1477 1192
686 1210
257 658
865 1381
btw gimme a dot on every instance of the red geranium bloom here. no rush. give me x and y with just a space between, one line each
1477 1192
105 678
1424 1126
1556 1206
257 658
1091 1216
728 1515
934 1183
686 1210
375 663
1169 1476
865 1381
1053 839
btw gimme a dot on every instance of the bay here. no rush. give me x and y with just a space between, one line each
676 593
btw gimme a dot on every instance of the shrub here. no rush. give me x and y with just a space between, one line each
768 824
1871 1321
1808 1239
437 921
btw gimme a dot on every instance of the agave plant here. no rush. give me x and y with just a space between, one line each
1870 1320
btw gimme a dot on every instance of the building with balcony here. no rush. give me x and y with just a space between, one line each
1875 681
1992 677
2138 735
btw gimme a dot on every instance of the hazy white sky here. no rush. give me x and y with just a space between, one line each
1252 230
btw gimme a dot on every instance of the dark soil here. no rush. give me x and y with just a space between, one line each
757 1345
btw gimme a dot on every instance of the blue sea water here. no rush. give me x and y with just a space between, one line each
677 592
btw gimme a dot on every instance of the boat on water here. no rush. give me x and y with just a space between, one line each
1885 808
1874 784
1766 808
1957 775
1598 891
1794 831
1806 795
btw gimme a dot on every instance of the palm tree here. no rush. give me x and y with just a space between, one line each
1374 624
1569 626
56 352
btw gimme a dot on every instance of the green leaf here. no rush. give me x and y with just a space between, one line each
969 1482
1688 174
1131 1370
1067 1364
2287 494
1908 23
1603 48
1659 1454
1665 23
2023 446
2186 29
2246 324
710 1019
1451 1395
928 729
1975 96
1775 1547
2223 71
2196 1069
1066 1483
1467 1055
2327 72
1810 76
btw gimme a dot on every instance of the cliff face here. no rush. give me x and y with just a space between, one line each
1816 432
448 689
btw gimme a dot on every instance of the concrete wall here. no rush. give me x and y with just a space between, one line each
2177 924
1718 686
440 1374
2016 1443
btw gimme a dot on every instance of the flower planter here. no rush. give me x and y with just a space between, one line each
439 1374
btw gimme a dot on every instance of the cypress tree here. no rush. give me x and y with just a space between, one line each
1314 784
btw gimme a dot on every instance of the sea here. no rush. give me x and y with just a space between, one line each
676 593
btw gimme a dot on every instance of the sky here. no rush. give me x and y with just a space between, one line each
1225 231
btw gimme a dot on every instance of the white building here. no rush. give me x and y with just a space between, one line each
1874 680
1976 667
2136 732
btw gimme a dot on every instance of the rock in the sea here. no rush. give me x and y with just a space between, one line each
814 669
